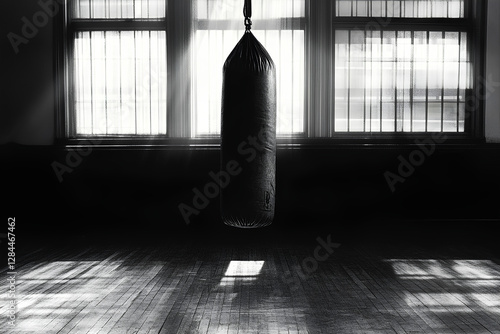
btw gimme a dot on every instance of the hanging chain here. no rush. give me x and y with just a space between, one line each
247 13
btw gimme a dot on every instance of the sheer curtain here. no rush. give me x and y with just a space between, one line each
401 8
279 25
388 66
119 9
406 79
126 83
154 67
119 68
120 83
401 81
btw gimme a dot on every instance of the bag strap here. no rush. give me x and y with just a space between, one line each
247 13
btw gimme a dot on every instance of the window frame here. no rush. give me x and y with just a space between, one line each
323 14
318 15
65 31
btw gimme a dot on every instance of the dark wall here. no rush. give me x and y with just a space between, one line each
27 91
340 190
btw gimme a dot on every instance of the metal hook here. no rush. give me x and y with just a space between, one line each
248 24
247 13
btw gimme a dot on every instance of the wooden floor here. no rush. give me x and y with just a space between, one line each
212 287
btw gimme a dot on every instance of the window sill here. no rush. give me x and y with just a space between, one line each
347 141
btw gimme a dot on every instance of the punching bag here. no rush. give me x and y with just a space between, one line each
248 133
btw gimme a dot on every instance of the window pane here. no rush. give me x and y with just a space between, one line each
120 83
402 81
261 9
401 8
214 43
117 9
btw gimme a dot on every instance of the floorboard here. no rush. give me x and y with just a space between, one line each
188 286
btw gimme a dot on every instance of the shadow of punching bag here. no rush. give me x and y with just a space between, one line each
248 133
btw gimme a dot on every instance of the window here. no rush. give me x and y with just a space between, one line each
153 68
401 8
279 25
387 81
402 78
119 67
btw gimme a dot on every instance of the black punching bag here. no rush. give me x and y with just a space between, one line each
248 147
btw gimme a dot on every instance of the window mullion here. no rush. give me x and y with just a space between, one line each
474 123
179 32
320 68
